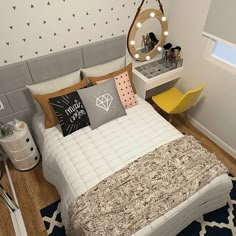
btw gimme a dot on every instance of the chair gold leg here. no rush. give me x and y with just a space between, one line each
158 109
186 118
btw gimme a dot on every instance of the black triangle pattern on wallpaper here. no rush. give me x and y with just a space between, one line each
64 24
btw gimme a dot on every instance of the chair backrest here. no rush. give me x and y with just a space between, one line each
188 99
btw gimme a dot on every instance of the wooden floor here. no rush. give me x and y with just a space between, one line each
35 193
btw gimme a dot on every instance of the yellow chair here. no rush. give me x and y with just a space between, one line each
173 101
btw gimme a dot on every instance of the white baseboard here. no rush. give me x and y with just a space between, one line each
213 137
18 223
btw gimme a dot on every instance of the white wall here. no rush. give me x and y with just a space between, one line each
215 112
35 28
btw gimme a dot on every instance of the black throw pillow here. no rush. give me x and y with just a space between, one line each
70 112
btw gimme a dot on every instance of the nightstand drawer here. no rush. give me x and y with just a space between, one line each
24 153
19 143
27 163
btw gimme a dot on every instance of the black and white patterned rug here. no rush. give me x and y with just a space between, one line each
221 222
52 219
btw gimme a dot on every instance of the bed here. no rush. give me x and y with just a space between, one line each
79 161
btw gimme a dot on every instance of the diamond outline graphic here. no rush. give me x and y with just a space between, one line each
104 101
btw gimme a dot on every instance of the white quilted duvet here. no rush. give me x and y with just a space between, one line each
81 160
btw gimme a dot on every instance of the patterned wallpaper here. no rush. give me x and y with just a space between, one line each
32 28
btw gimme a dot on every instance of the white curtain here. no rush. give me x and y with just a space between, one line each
221 20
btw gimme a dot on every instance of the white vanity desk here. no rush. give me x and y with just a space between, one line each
143 84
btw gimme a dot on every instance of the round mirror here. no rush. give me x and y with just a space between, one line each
147 34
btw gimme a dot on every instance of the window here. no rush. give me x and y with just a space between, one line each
225 52
222 54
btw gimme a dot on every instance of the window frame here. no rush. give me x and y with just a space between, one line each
209 55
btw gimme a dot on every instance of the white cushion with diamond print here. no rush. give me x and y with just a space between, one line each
102 103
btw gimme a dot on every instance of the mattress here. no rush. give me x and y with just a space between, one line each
75 163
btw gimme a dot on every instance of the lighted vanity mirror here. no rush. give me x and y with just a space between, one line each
150 20
148 35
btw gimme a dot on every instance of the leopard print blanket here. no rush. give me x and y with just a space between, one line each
144 190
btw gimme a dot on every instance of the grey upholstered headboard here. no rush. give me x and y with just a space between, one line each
16 98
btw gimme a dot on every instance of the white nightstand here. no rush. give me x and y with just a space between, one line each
143 83
21 149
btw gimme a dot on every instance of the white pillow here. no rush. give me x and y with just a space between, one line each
105 68
54 85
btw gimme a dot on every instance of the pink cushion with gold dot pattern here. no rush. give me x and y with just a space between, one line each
125 90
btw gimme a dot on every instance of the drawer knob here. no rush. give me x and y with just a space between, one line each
27 140
31 149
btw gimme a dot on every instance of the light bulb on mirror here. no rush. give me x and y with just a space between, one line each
148 58
139 25
152 14
132 42
159 49
163 18
136 56
166 33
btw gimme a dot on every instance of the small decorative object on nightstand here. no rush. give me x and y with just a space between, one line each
5 130
20 147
